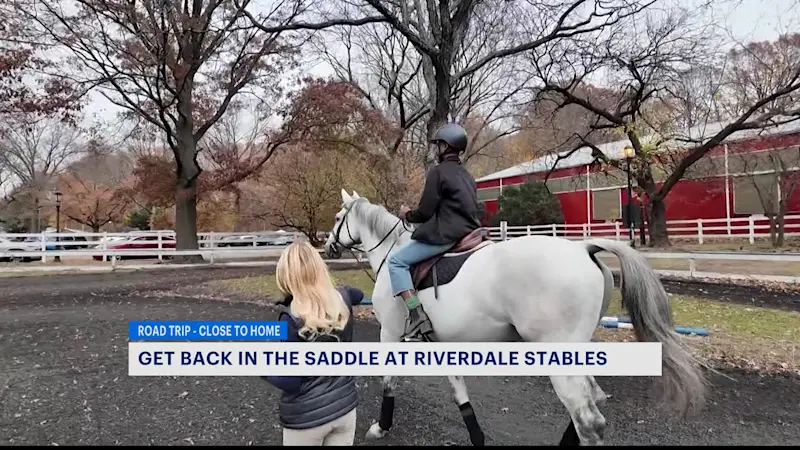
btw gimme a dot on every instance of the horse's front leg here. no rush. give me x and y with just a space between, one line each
384 424
461 397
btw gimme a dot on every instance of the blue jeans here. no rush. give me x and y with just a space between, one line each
406 256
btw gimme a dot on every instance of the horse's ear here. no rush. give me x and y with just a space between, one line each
346 197
355 195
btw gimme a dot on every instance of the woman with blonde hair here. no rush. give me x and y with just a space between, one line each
315 410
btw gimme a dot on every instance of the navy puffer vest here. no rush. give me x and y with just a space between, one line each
320 399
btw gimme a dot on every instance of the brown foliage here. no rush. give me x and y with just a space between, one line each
91 203
23 87
302 190
94 190
336 113
339 141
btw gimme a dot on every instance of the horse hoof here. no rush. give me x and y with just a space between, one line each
376 432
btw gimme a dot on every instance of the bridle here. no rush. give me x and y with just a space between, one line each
338 243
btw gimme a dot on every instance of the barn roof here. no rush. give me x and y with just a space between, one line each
613 150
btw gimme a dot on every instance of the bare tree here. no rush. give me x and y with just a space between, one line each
669 72
177 65
475 54
235 147
775 177
439 30
33 150
386 69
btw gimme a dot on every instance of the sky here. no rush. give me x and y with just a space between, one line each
749 20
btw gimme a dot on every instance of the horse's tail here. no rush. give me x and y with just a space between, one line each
644 298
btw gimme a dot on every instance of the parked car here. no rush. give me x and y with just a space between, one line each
71 239
281 240
7 246
139 243
235 241
108 240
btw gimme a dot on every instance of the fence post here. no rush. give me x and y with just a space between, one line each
584 231
617 230
503 230
160 247
752 226
104 246
211 247
43 238
529 230
699 231
555 229
692 267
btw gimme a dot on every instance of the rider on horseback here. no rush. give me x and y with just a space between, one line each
448 211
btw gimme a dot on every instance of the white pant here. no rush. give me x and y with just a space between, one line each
338 432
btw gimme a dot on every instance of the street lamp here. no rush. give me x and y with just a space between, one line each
629 152
58 223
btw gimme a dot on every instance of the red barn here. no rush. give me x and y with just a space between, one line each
725 183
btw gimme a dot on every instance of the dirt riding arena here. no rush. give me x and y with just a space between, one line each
63 380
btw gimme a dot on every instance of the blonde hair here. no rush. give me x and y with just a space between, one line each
302 273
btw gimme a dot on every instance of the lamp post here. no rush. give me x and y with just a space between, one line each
58 223
629 152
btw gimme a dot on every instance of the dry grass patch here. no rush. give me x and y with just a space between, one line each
741 336
719 266
265 286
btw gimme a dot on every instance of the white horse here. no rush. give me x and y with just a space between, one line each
534 289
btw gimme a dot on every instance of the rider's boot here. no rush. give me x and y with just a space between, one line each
418 325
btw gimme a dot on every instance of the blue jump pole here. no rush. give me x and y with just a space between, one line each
625 322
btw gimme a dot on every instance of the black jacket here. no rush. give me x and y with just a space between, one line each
449 209
308 402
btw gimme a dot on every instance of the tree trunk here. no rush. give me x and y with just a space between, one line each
36 219
186 195
780 225
773 230
238 209
186 220
95 229
187 171
657 221
440 106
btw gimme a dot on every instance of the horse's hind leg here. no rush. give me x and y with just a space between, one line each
587 425
461 397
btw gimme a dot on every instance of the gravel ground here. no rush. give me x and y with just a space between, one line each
63 380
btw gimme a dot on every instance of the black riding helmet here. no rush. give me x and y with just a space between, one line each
453 134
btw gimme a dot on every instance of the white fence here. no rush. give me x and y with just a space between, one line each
700 230
215 246
157 244
220 248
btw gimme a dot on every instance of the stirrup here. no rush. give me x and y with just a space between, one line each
418 335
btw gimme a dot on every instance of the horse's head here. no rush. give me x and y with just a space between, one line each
346 231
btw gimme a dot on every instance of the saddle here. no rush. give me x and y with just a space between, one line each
441 269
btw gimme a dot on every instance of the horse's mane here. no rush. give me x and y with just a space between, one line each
378 218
